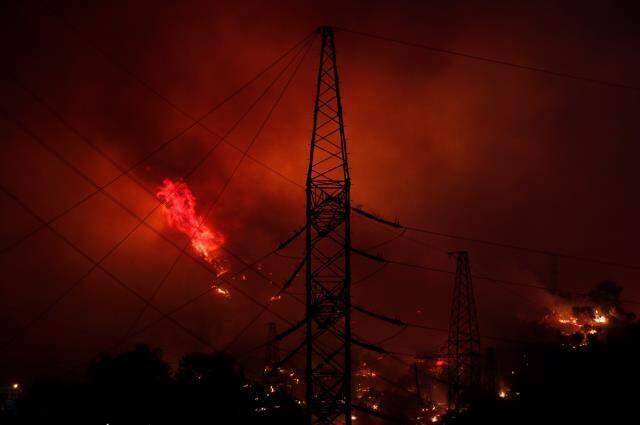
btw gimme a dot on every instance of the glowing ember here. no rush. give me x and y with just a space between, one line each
222 292
583 320
275 298
179 205
585 317
599 317
365 371
566 321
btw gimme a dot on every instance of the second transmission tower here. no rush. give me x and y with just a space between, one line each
463 345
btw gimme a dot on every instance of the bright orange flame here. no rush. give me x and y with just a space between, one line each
599 317
584 321
180 211
222 292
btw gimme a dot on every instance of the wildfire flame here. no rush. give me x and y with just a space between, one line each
221 292
588 315
580 320
179 205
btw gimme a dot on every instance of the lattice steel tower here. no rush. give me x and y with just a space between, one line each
464 338
328 252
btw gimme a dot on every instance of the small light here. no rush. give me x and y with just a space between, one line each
16 386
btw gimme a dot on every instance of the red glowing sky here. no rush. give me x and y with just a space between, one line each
439 142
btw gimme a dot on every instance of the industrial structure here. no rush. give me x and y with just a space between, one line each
463 345
327 258
328 251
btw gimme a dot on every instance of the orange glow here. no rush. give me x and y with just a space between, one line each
566 321
221 292
179 205
600 318
586 321
275 298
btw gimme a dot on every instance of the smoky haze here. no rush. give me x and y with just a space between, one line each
439 142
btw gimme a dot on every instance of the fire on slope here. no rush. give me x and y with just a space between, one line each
584 319
179 206
366 392
585 316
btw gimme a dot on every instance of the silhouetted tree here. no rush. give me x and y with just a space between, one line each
210 388
213 369
141 367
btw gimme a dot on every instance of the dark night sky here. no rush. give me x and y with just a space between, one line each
440 142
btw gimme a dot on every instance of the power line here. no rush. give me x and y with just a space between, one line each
265 121
206 128
483 277
94 265
167 315
487 278
215 201
251 322
65 22
497 244
576 77
132 333
357 281
403 324
85 177
244 155
502 282
523 248
380 221
436 329
141 221
151 154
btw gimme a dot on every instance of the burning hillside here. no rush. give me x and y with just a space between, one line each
179 205
584 316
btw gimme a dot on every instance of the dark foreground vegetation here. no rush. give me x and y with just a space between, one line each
557 383
138 387
552 383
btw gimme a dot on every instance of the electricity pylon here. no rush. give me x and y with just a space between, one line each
463 345
328 252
